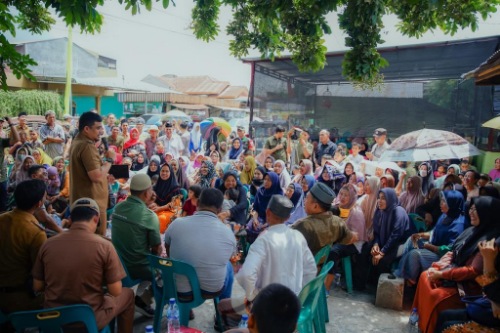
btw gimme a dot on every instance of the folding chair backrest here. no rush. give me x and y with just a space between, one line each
309 295
322 255
127 281
169 268
418 222
51 320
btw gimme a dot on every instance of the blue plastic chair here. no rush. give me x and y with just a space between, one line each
311 317
51 320
169 268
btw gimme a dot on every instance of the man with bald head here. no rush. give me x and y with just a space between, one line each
325 145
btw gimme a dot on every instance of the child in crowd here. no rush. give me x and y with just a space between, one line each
191 203
54 183
230 197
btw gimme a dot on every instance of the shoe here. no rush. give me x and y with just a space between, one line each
143 308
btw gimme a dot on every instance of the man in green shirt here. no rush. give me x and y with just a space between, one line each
5 143
135 233
276 145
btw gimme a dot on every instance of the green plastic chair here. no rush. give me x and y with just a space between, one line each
127 281
418 222
51 320
184 193
169 268
346 264
311 318
321 257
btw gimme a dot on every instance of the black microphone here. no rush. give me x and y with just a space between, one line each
104 141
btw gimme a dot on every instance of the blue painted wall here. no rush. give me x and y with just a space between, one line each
109 104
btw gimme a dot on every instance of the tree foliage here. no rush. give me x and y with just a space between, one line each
33 102
34 16
300 26
270 26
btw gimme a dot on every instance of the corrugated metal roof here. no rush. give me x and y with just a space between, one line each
234 92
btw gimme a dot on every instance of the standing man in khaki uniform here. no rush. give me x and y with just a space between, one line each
88 177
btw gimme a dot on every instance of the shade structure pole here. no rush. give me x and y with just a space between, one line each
69 71
251 98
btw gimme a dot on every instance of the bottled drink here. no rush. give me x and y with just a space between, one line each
244 321
174 325
149 329
413 321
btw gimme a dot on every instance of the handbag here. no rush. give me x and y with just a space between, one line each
479 310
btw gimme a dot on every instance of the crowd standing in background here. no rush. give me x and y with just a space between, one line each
166 191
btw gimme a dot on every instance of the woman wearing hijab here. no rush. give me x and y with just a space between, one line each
246 176
207 175
282 172
391 228
180 176
305 168
368 203
413 196
387 180
257 181
355 221
166 187
425 172
237 213
236 149
63 175
332 178
269 163
430 210
296 195
22 171
437 242
186 165
437 287
154 167
195 140
257 221
139 162
133 146
41 157
307 183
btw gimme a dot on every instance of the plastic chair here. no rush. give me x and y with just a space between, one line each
169 268
311 317
51 320
418 222
346 264
321 257
127 281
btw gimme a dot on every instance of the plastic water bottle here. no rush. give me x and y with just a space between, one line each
174 325
149 329
413 322
244 321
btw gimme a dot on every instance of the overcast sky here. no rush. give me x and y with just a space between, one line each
160 42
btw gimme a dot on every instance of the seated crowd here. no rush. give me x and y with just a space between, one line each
433 223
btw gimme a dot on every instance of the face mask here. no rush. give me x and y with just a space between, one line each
21 156
423 173
258 182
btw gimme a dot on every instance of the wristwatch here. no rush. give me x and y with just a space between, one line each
107 159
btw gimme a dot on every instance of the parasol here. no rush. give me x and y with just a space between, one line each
209 124
428 145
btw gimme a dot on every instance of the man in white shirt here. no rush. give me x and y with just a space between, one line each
381 145
279 255
172 141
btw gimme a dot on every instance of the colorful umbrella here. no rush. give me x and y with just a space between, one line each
209 124
428 145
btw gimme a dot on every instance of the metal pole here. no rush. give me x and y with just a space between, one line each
251 97
69 70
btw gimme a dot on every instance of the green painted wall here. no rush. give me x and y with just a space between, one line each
109 104
83 104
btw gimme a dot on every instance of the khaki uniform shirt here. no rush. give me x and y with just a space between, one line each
20 239
84 157
272 142
75 265
323 229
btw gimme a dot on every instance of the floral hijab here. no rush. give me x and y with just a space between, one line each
206 181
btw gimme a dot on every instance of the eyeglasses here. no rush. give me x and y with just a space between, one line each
472 209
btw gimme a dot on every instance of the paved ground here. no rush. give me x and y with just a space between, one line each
348 314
